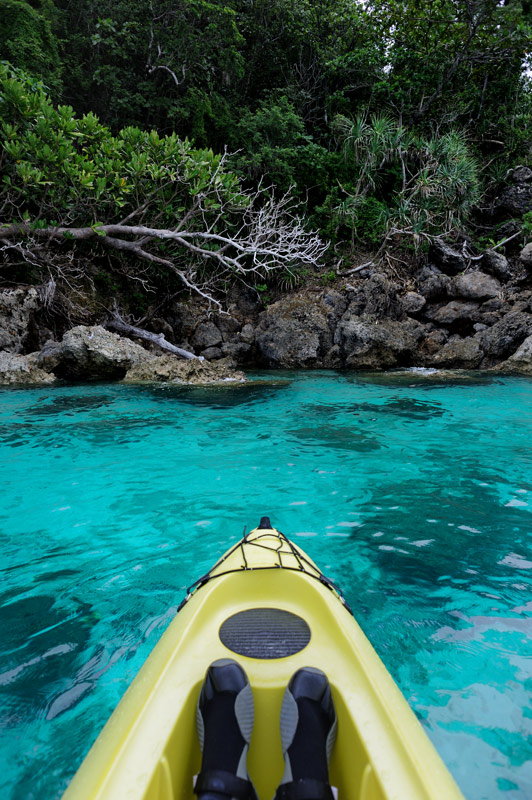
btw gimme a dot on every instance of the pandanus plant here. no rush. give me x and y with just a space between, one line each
427 186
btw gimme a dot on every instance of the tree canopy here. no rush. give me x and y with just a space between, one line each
381 118
68 179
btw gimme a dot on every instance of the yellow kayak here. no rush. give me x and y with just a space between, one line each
268 606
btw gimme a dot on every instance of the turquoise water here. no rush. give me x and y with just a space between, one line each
412 492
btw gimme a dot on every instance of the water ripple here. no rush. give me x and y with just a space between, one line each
411 491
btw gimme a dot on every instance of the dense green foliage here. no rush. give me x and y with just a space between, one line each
172 63
155 64
384 118
27 40
58 166
431 183
141 196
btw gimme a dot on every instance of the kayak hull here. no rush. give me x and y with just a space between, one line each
148 750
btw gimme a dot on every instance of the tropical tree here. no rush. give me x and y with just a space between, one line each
141 197
27 39
419 188
448 60
170 64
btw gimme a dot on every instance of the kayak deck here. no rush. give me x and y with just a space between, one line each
266 605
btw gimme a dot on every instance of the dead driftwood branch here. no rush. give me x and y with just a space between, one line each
118 324
261 237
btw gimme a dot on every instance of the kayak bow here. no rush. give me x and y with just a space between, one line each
267 605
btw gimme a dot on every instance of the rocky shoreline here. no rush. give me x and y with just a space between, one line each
92 353
470 320
451 311
449 316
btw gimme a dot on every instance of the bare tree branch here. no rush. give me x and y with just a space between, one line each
268 236
118 324
171 71
152 67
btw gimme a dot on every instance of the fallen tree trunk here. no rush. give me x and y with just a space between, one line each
270 237
119 325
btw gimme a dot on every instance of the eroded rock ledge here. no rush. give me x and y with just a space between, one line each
19 369
467 321
94 353
172 370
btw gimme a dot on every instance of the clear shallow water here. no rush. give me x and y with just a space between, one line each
412 492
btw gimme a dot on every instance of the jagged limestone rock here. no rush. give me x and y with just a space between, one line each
451 313
525 256
17 309
376 297
370 344
18 369
94 353
206 335
459 353
515 200
521 361
502 338
297 331
496 264
476 286
449 260
413 302
169 369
